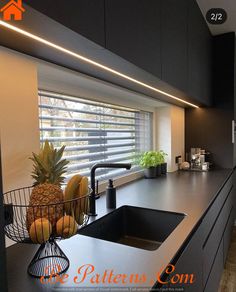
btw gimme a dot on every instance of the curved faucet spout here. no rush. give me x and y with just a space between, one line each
92 181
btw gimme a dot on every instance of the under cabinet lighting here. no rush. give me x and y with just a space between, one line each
90 61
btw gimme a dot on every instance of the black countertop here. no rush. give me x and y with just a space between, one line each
190 193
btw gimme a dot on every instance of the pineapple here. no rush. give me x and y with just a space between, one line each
48 170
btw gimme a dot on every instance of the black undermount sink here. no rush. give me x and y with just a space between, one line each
133 226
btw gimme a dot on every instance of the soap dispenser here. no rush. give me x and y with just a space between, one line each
111 195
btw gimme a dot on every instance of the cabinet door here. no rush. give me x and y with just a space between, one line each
133 31
234 191
83 16
216 271
174 44
199 55
212 214
214 238
228 233
190 262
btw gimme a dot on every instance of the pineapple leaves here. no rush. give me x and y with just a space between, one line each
39 162
59 154
60 165
48 165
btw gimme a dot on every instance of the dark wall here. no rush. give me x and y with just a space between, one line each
211 128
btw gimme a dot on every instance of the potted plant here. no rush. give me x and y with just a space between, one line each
148 162
162 157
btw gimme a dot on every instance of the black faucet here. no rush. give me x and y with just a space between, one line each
92 199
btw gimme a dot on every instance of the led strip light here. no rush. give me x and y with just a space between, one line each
90 61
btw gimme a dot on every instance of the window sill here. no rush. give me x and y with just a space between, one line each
122 180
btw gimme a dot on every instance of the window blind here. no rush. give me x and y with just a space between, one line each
94 132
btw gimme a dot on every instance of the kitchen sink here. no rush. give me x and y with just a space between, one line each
133 226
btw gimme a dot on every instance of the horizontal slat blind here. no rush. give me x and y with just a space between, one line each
93 132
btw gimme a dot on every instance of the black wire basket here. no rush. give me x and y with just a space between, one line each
44 225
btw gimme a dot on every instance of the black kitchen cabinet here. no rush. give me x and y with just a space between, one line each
174 43
85 17
212 242
199 55
234 201
216 272
228 234
133 31
189 264
205 252
167 38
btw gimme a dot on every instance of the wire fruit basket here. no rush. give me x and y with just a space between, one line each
44 225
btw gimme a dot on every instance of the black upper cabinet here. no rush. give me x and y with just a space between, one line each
199 55
133 31
174 41
83 16
167 38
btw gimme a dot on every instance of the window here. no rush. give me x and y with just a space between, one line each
93 132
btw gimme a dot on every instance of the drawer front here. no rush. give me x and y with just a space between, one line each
228 233
212 243
216 272
190 262
214 210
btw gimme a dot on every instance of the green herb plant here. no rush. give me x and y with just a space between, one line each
152 158
161 156
148 159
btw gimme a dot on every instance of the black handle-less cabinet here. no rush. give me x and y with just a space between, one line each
199 55
205 253
186 49
85 17
167 38
174 43
189 265
133 31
